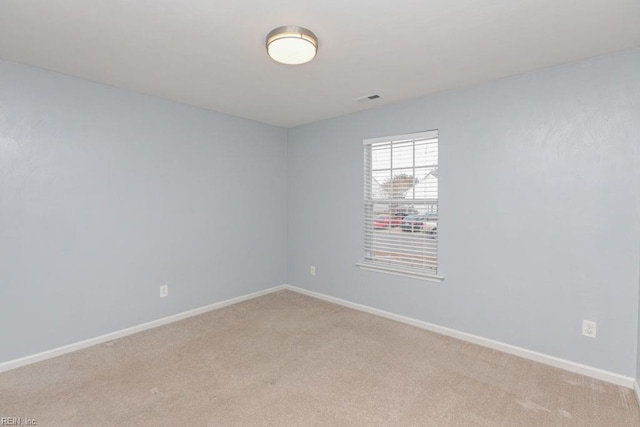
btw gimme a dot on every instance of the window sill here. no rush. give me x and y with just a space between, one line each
400 272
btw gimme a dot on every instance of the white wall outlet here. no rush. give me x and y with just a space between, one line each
164 291
312 270
589 328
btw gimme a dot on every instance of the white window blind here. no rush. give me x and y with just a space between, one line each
401 204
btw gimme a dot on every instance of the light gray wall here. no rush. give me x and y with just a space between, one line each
538 216
105 195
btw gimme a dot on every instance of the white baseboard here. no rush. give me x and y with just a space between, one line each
23 361
556 362
496 345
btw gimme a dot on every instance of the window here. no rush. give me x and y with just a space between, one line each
401 205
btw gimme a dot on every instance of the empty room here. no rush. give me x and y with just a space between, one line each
231 214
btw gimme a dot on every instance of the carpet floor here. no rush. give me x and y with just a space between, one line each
286 359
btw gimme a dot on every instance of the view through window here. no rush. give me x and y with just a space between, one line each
401 203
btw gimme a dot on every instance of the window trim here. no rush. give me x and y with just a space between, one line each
392 269
399 272
424 134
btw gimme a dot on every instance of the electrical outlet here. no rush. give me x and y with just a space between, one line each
589 328
164 291
312 270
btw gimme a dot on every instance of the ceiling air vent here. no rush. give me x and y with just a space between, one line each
367 98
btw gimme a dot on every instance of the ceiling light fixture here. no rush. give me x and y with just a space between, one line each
292 45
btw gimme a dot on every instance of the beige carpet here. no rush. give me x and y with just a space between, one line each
288 360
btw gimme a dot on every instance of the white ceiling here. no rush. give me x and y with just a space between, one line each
211 53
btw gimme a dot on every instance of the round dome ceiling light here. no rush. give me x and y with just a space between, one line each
292 45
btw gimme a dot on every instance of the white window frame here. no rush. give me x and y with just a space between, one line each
428 271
